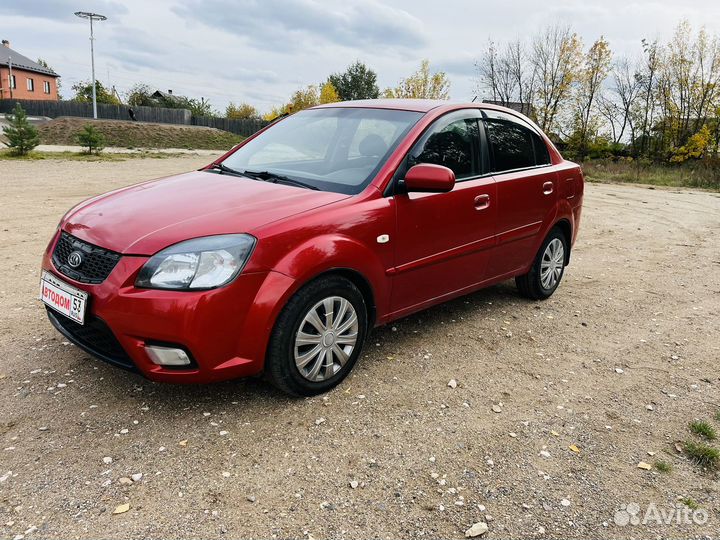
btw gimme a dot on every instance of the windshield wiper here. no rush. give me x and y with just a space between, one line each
225 169
278 178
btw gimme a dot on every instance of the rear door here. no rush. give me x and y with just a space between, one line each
526 189
443 239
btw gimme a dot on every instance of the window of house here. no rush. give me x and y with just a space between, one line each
12 82
46 84
511 145
453 145
30 84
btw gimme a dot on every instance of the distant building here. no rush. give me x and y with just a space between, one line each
523 108
21 78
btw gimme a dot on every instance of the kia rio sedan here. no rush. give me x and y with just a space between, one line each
279 257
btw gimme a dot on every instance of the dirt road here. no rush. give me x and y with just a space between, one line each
617 363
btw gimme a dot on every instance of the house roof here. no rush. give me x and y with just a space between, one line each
7 56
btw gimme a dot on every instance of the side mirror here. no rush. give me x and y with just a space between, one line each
429 178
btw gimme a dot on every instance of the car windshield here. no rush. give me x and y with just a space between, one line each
332 149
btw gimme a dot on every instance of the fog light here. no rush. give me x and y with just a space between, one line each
167 356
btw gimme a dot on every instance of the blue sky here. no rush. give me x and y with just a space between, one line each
259 51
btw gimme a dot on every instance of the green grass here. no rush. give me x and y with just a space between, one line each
717 416
702 454
663 466
703 429
690 503
79 156
695 176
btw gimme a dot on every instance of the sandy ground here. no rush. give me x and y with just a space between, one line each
616 363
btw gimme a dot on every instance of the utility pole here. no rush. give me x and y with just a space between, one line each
10 77
92 17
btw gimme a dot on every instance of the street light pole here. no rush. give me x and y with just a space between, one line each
92 17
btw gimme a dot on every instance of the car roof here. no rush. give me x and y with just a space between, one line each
417 105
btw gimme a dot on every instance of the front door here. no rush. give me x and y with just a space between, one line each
443 240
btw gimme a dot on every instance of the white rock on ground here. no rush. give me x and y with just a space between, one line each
477 529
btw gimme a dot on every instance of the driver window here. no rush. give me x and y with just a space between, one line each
454 145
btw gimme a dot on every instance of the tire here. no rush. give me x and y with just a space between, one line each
552 255
300 346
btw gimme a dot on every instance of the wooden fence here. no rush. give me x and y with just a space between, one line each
162 115
53 109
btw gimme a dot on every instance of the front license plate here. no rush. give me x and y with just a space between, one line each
63 298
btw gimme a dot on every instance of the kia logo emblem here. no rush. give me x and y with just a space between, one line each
75 259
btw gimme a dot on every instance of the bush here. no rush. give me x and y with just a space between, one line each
91 138
22 136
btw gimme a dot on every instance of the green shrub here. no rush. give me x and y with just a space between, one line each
22 136
92 139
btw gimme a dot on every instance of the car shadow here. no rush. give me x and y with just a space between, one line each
255 391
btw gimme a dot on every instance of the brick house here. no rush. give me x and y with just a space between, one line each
29 80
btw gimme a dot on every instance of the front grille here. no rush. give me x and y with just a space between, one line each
94 337
96 265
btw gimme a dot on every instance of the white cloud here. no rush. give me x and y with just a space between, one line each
262 50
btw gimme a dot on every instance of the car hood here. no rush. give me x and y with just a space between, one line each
145 218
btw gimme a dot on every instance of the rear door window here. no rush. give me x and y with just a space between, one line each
510 145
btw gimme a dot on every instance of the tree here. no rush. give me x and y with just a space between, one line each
83 93
241 111
422 85
91 138
356 82
328 93
21 135
140 95
556 56
590 77
199 107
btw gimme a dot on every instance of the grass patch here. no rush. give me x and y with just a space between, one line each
663 466
717 416
82 156
702 454
690 503
73 156
689 175
63 131
703 429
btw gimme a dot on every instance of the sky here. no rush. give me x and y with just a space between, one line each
260 51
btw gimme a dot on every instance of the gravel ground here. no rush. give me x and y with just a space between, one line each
617 364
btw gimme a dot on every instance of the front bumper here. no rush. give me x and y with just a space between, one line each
224 330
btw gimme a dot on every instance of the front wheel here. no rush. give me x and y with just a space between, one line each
318 337
547 269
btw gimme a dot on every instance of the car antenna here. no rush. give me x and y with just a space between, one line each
474 99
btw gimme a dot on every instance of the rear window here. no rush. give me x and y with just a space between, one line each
511 145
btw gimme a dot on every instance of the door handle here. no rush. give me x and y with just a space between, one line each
482 201
548 188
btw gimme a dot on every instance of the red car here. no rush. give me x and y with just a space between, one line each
281 256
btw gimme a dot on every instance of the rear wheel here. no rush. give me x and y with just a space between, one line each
318 337
547 269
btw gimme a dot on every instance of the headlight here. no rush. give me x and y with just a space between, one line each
201 263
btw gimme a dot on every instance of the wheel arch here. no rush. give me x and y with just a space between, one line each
566 227
361 282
